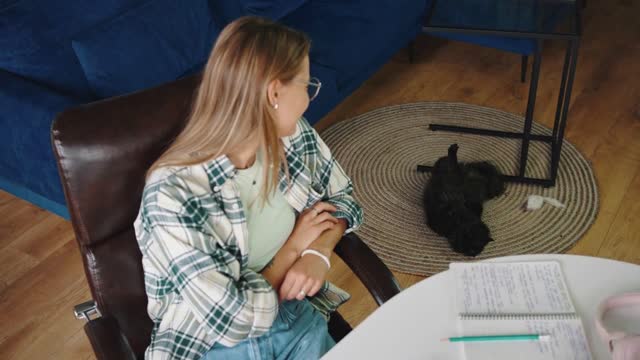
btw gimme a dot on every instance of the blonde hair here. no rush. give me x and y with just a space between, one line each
231 105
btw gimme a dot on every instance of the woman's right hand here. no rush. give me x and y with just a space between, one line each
310 224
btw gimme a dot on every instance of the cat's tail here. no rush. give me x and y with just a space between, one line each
454 167
453 153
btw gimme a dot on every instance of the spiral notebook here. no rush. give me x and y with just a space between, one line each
518 298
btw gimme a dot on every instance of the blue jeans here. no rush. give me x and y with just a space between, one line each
298 332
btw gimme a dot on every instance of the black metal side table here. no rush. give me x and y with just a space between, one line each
533 19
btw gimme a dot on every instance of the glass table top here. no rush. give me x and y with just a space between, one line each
559 18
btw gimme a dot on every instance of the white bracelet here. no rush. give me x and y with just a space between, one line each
317 253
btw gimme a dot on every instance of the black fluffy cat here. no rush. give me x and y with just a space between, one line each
453 201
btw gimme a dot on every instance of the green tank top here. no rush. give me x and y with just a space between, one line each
269 223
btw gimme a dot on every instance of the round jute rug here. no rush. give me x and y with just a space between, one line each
380 150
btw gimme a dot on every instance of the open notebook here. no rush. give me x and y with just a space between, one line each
518 298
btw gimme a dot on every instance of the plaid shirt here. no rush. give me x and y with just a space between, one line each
192 232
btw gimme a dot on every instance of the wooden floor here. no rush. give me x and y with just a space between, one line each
41 274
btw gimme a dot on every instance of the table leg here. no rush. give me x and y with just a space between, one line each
556 123
531 104
561 94
561 115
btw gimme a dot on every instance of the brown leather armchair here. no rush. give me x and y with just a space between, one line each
103 150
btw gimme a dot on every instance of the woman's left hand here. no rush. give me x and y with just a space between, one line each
304 278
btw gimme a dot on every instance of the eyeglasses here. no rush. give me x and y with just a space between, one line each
313 87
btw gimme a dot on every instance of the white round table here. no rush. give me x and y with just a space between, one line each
410 325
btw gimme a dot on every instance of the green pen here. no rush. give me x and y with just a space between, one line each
518 337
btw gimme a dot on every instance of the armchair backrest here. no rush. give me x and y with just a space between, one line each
103 150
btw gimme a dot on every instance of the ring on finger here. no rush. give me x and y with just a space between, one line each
302 293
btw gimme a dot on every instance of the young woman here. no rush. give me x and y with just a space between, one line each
241 213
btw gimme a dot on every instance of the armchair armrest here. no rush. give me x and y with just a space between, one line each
368 267
106 339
